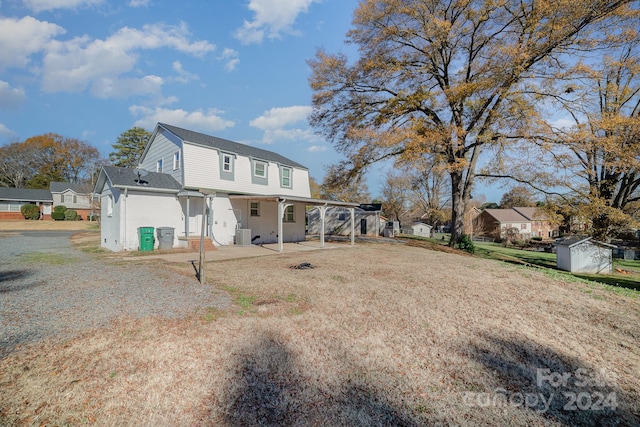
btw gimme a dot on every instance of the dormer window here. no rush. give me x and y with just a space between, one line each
259 169
285 177
227 163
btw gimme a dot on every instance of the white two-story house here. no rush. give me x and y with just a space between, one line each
192 182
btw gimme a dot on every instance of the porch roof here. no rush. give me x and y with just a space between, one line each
281 197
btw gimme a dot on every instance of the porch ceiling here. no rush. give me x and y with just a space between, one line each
281 198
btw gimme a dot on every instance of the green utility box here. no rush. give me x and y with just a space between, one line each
145 235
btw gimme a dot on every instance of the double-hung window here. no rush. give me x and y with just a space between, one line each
255 208
176 160
285 177
227 163
289 214
259 169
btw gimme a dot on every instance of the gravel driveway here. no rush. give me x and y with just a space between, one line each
48 288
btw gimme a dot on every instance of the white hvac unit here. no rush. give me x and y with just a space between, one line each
243 236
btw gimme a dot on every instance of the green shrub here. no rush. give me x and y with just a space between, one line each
465 243
536 238
71 215
59 208
57 216
30 211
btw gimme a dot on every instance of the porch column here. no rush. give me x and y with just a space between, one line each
353 228
280 216
186 222
322 216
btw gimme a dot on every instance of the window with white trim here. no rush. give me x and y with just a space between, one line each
159 166
259 169
289 214
285 178
255 208
176 160
109 205
227 164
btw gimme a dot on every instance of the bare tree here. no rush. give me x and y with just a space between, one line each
445 78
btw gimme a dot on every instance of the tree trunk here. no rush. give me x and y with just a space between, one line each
458 205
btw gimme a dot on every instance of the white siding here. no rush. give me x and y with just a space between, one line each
202 170
110 224
224 220
133 210
151 210
585 257
163 147
264 228
201 167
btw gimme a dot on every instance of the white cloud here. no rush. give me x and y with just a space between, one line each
209 121
42 5
122 88
183 75
139 3
231 56
10 97
280 117
277 124
6 132
563 123
317 148
271 18
81 62
21 38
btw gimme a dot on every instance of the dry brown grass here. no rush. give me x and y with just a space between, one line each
374 335
24 225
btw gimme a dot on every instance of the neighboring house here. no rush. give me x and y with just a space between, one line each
191 181
419 229
527 221
540 224
338 220
582 254
12 199
76 197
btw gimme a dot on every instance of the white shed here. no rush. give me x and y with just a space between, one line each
421 229
582 254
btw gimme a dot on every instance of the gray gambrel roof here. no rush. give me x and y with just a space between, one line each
25 195
229 146
127 178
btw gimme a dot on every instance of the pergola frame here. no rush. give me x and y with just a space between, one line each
285 201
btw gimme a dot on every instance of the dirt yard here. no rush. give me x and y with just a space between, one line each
372 335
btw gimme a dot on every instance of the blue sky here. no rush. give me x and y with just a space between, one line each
91 69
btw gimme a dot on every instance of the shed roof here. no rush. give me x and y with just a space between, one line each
572 241
416 224
127 178
229 146
25 194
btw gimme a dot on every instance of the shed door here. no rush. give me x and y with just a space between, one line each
363 226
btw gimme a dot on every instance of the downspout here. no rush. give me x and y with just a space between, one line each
124 205
186 221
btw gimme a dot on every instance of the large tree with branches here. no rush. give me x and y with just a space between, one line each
444 79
